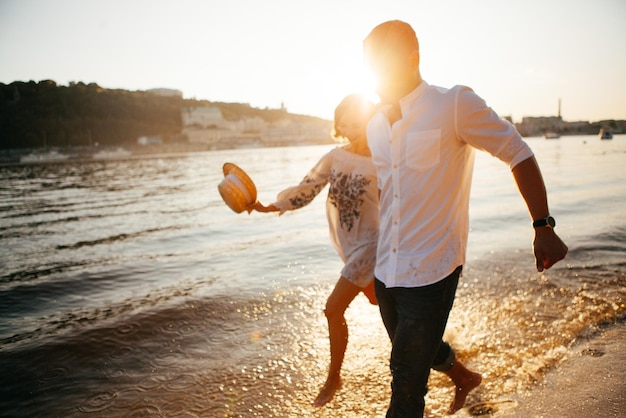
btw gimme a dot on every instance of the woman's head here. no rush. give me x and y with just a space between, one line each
351 116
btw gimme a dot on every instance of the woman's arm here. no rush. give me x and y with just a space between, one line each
301 195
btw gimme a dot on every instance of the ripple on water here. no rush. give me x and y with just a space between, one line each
186 329
52 375
179 328
127 328
144 410
152 382
115 373
99 402
182 383
121 352
169 360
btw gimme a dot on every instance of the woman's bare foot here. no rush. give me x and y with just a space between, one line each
463 387
327 392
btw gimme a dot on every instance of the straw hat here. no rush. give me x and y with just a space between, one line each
237 189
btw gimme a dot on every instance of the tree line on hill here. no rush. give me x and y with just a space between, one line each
44 114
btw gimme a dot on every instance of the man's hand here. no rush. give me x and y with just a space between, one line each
548 248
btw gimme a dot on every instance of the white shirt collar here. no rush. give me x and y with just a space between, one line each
407 101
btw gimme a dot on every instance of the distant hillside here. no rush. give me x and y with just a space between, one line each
238 111
38 114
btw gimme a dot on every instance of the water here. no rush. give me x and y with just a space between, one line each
128 288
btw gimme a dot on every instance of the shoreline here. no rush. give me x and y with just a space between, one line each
79 154
589 382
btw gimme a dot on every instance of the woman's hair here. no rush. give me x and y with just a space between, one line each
352 103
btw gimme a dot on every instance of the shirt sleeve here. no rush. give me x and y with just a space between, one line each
479 126
301 195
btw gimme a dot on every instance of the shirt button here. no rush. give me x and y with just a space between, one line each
395 195
394 250
395 166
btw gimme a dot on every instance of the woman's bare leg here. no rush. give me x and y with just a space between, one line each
336 305
370 293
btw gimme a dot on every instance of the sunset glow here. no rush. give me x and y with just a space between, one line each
521 57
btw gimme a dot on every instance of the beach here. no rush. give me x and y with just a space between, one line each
589 382
130 289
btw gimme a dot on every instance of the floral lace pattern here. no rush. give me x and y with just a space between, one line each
351 208
346 194
306 194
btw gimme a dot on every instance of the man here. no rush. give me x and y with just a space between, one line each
422 142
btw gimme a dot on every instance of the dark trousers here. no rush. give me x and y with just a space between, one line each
415 319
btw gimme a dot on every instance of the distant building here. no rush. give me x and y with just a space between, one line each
286 132
205 125
147 140
579 127
250 125
202 117
532 126
166 92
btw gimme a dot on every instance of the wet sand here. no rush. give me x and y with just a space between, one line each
590 382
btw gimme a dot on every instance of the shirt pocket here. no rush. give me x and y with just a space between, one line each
422 149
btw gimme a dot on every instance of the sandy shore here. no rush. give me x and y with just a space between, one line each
590 382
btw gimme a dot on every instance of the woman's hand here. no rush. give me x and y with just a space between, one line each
260 207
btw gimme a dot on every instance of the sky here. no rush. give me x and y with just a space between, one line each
521 56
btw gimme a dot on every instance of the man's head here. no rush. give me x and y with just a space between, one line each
392 52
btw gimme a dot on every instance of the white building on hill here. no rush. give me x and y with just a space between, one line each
166 92
202 117
205 125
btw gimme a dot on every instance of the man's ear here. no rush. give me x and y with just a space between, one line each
414 59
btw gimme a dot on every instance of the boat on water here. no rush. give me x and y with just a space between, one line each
41 157
605 134
551 135
111 154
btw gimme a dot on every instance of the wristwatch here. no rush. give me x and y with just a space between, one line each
547 221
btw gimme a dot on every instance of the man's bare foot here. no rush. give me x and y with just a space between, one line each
463 387
327 392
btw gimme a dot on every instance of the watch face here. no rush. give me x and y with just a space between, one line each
550 220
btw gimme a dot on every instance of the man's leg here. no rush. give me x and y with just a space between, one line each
387 307
415 319
464 379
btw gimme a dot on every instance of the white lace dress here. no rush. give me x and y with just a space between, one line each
351 208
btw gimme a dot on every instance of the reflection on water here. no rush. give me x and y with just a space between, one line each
268 356
130 289
208 357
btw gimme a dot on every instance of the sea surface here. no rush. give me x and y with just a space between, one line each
128 288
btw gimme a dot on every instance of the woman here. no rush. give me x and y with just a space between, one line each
352 212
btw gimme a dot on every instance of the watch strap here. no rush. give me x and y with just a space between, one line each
547 221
